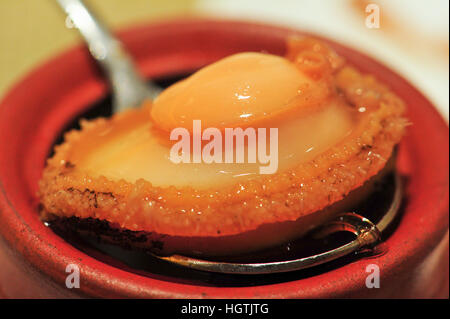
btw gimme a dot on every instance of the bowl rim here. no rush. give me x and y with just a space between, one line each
47 252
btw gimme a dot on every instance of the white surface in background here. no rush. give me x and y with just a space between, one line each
336 19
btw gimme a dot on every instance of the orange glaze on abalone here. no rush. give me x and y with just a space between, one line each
337 129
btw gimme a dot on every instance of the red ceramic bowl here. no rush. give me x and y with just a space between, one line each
33 259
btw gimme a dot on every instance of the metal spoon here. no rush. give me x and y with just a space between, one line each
128 88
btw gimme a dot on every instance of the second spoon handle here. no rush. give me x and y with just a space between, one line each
129 89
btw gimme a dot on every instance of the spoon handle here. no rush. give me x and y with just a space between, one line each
129 88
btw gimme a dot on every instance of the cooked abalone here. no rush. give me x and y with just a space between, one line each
336 131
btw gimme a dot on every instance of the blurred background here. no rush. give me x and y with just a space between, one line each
412 36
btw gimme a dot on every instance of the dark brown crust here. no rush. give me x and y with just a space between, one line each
105 232
287 196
